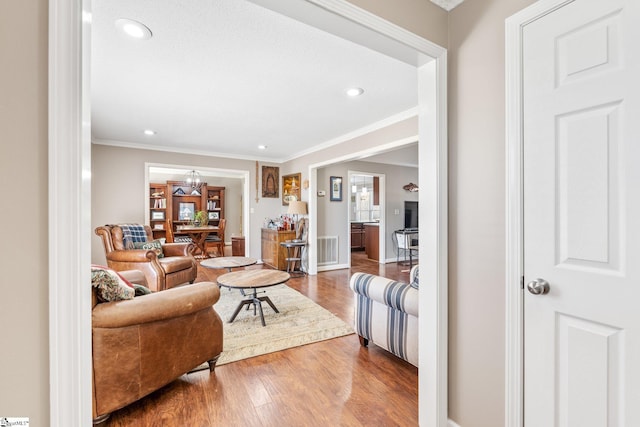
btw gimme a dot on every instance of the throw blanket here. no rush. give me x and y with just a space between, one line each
132 233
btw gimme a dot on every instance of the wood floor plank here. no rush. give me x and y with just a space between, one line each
335 382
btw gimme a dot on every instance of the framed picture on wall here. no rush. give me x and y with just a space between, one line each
157 215
335 183
214 215
186 212
290 188
270 180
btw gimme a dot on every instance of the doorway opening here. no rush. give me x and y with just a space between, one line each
366 237
236 183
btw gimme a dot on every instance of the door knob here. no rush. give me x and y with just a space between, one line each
538 287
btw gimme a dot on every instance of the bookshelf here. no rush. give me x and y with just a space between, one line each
158 210
177 201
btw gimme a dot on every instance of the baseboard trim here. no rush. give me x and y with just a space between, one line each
452 423
332 267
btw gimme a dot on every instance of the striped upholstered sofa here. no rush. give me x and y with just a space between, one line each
386 313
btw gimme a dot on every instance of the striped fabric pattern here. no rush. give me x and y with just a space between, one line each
132 233
386 313
360 285
397 332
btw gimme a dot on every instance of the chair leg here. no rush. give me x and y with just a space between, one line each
212 363
101 419
363 341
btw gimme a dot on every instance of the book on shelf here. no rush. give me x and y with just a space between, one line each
160 204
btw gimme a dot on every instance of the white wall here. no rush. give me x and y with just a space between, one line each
476 211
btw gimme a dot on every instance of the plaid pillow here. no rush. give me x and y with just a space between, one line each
132 233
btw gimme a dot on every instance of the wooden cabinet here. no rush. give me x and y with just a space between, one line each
158 210
272 253
185 201
357 236
372 242
178 202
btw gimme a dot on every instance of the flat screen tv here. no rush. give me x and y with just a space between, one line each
410 214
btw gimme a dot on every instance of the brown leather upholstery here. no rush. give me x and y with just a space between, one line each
142 344
177 267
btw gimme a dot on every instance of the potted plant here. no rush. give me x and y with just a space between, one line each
200 218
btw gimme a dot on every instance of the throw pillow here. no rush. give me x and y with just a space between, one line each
110 285
141 290
154 245
415 283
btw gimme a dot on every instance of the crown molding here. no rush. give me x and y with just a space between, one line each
182 150
447 5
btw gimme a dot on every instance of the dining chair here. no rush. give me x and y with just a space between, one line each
217 240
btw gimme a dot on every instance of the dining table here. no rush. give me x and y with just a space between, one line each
198 235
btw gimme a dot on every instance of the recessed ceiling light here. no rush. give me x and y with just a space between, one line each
354 91
133 28
149 132
262 147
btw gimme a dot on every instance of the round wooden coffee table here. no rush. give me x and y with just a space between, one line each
253 280
228 262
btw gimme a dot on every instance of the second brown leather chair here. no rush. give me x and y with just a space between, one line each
177 266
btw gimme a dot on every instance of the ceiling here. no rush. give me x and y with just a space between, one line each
221 77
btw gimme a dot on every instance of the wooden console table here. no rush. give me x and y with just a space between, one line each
272 253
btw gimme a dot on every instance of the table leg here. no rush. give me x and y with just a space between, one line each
257 306
268 301
235 313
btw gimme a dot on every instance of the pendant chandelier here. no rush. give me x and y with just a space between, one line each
193 179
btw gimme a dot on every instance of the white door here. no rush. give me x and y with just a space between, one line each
582 215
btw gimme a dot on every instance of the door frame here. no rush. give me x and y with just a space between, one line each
69 193
514 280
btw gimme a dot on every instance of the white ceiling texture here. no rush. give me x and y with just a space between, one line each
222 77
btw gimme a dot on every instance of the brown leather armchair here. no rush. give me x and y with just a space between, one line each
140 345
178 265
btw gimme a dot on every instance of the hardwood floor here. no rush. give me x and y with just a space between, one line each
331 383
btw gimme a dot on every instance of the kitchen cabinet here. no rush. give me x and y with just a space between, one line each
372 241
357 236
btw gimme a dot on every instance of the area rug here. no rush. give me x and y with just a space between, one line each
300 321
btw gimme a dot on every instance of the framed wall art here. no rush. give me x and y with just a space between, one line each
270 181
157 215
335 183
290 188
186 211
